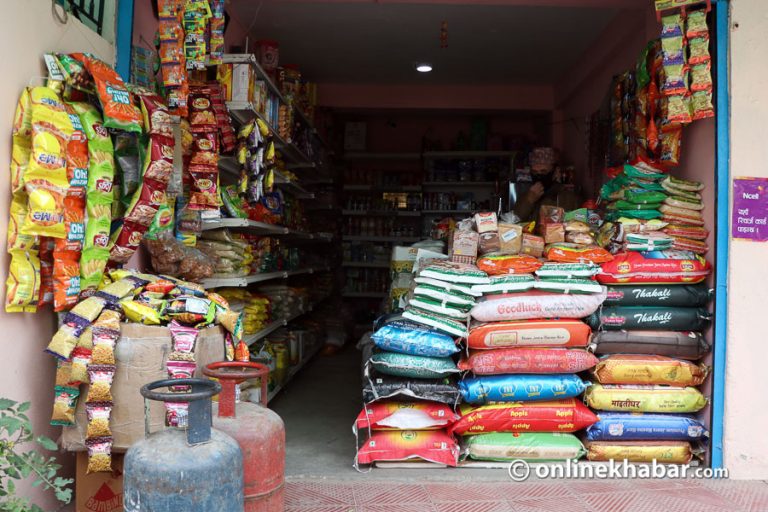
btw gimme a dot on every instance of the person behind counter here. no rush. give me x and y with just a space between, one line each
550 187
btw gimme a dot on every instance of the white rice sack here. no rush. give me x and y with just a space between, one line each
569 285
433 306
440 323
506 284
443 296
451 287
536 305
452 272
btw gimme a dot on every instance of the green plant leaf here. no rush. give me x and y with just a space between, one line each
47 443
64 495
24 407
12 472
6 403
11 424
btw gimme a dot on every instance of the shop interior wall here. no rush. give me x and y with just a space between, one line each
746 414
582 91
27 373
402 130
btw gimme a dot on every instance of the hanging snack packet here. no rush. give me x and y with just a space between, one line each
701 77
22 288
698 49
701 105
98 414
45 179
64 403
696 24
180 370
63 373
104 341
45 253
81 358
116 101
202 117
672 25
176 414
75 73
22 141
99 454
100 376
184 339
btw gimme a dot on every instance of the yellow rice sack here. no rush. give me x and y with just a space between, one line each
639 398
670 452
649 369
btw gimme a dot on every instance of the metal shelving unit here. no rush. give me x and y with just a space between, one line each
365 264
240 282
392 213
293 371
396 239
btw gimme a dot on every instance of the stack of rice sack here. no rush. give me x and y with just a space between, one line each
650 339
526 345
410 391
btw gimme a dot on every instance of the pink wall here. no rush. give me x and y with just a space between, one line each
495 97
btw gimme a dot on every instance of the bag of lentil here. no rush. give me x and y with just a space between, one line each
530 446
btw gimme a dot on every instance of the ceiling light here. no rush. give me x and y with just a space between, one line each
424 67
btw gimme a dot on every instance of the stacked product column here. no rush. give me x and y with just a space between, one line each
525 349
410 392
651 339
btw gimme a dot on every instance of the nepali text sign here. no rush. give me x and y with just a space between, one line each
750 209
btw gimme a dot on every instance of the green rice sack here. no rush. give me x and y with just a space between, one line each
530 446
507 283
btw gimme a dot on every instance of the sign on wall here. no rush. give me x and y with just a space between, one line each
750 209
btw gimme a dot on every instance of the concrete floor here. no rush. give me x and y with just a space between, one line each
319 407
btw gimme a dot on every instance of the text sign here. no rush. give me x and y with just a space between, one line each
750 209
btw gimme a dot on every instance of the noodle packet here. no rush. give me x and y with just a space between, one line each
696 24
86 339
104 341
81 358
99 454
98 414
180 370
100 376
64 403
184 339
116 101
108 319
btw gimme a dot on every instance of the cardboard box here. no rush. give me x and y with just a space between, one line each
533 245
237 81
99 492
140 355
553 233
489 242
510 238
464 245
486 222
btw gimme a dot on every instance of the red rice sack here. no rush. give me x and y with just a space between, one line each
536 305
390 415
528 360
397 445
567 415
501 264
668 267
540 333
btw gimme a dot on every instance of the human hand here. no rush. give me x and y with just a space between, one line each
536 191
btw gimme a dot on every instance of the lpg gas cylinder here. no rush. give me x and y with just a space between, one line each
197 470
259 431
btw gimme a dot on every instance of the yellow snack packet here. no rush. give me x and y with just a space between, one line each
45 179
140 313
22 288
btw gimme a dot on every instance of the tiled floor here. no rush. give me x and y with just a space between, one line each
559 496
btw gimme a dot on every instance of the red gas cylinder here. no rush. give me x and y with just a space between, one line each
259 431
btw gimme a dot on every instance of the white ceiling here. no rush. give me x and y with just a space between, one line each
380 42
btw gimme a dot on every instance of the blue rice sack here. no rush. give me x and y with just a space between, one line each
520 387
417 367
406 337
646 427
